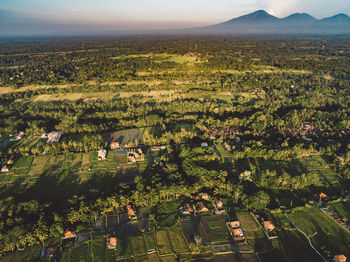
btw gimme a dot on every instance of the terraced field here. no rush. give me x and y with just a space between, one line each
254 235
326 235
319 165
28 169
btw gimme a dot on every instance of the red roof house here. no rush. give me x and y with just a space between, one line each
234 224
323 195
268 226
131 211
340 258
202 207
113 241
237 232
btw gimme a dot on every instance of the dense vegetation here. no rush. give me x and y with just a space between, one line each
259 104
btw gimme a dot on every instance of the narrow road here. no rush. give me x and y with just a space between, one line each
306 238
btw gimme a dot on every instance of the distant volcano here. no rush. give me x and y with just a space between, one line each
257 23
261 22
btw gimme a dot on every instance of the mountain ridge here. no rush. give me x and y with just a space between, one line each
260 22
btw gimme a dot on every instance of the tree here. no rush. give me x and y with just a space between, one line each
257 201
246 176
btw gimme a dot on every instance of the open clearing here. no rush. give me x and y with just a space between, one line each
163 242
252 231
326 235
341 208
164 57
74 97
291 244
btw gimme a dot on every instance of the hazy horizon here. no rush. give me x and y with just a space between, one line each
156 14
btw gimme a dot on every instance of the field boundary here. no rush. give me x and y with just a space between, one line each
306 238
324 212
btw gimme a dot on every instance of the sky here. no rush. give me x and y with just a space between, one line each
131 14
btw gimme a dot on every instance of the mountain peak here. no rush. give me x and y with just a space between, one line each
261 22
341 15
299 18
260 16
337 19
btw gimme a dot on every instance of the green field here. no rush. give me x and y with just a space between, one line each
29 169
291 244
31 254
341 208
327 236
163 242
121 156
214 224
295 167
178 241
150 241
124 247
225 155
92 250
319 165
139 245
253 233
161 57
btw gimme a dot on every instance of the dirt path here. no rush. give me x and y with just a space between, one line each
306 238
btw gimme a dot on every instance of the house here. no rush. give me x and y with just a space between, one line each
186 209
10 161
237 232
115 145
131 212
204 145
323 195
5 169
69 234
235 224
102 154
132 157
218 202
20 135
113 241
309 140
268 226
202 207
339 258
52 137
155 148
205 196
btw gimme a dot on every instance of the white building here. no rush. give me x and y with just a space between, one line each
102 154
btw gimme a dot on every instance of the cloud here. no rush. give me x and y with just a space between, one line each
281 7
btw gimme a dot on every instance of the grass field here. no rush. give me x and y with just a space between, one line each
139 245
319 165
93 250
162 57
163 242
150 241
84 165
253 233
127 137
178 241
225 155
31 254
295 167
291 244
328 237
124 247
214 224
342 209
